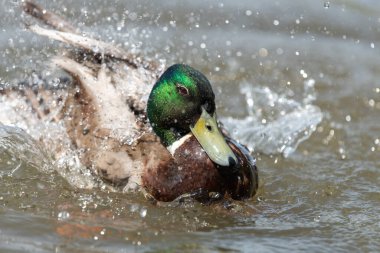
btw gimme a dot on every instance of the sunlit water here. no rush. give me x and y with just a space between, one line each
297 81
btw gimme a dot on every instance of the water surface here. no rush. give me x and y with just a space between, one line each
297 81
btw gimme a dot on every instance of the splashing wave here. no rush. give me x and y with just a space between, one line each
17 148
275 123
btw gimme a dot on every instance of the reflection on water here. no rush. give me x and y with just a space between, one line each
303 74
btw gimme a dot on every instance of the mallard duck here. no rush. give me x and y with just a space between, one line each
162 138
181 110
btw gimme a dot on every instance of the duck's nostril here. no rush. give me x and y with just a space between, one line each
231 161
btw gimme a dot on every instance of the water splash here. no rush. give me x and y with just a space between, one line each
19 150
19 130
275 123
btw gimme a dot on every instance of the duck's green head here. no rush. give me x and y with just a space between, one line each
182 102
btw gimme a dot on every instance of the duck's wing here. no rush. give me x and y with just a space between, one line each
48 17
65 32
115 82
104 107
133 74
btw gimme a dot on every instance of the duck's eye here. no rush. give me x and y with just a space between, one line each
209 127
182 90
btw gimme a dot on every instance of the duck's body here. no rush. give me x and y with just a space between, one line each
174 149
190 170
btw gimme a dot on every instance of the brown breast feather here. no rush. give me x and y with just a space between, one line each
191 170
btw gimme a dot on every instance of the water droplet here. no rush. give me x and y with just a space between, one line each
263 52
214 195
95 49
260 199
143 212
303 73
250 102
134 208
326 5
64 215
248 12
132 16
172 23
276 22
348 118
310 83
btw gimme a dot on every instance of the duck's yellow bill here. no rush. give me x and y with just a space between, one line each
207 132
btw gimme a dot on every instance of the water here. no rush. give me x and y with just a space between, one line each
307 70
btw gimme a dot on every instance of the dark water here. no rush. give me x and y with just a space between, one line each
298 81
